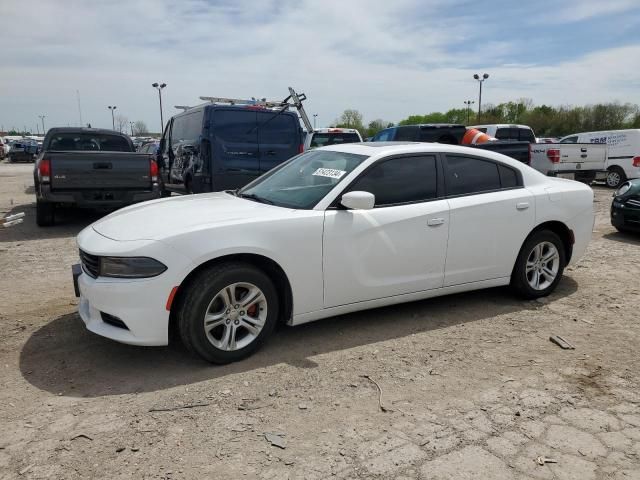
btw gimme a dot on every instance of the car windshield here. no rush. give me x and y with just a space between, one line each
331 138
304 180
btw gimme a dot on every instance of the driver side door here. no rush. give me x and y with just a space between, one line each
400 245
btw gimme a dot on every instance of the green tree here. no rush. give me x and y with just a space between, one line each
351 118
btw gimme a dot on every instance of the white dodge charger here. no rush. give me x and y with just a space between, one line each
331 231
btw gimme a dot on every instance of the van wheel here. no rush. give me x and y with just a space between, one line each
45 213
539 265
615 177
227 312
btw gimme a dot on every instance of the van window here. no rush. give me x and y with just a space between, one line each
572 139
235 126
187 128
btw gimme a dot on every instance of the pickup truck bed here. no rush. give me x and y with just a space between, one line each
579 161
91 168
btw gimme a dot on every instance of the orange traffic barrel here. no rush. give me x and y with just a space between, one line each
474 136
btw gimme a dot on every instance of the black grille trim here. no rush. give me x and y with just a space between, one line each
90 264
113 320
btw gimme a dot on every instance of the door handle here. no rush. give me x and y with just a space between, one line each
432 222
584 155
522 205
583 149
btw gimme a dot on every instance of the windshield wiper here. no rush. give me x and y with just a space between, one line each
254 197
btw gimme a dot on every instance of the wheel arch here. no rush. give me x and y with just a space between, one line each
560 229
275 272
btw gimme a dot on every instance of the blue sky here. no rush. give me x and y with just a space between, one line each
386 59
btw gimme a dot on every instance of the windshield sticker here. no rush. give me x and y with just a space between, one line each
329 172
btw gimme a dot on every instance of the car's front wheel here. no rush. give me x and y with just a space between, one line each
227 312
539 265
615 177
45 213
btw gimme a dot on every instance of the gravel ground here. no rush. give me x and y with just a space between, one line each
465 386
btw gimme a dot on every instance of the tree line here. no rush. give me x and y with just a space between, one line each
546 121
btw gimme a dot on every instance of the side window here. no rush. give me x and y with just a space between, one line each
572 139
400 180
178 130
508 177
466 175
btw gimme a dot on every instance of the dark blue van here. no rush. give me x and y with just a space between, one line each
215 147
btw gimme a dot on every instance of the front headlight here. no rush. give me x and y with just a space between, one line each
624 188
130 267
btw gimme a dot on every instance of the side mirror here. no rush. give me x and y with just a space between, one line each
358 200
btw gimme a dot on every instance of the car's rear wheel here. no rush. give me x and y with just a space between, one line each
615 177
539 265
227 312
45 213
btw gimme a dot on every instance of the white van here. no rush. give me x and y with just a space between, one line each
623 159
503 131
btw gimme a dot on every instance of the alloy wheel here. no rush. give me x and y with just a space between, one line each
543 264
235 316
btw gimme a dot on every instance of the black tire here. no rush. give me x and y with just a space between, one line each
615 177
519 280
45 213
199 294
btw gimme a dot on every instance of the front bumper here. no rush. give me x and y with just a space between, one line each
625 217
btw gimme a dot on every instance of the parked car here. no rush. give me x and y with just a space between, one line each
625 208
23 150
152 148
623 161
584 162
91 168
450 134
216 147
335 230
4 148
503 131
322 137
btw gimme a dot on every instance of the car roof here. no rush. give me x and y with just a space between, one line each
502 125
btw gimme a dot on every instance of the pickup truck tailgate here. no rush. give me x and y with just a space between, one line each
568 157
79 170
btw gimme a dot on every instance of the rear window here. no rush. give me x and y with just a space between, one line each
64 142
323 139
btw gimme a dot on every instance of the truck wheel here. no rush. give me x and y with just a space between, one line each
539 265
227 312
615 177
45 213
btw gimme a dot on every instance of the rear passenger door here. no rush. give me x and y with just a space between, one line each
491 214
279 138
235 148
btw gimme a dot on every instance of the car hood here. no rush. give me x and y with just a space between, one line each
164 218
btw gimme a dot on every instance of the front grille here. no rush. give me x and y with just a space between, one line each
113 320
90 264
634 202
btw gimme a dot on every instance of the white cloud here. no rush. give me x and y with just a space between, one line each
387 59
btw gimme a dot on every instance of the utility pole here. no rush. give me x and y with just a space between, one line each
468 103
42 117
113 121
79 108
481 81
159 87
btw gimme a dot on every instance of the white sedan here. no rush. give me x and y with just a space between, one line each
332 231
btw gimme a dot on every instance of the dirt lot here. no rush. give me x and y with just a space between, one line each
471 387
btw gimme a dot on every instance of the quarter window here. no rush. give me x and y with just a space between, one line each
400 180
508 177
466 175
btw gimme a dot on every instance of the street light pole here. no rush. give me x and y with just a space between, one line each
159 87
113 120
481 81
468 103
42 117
315 115
131 125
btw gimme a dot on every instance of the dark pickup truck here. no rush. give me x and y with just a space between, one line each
451 134
91 168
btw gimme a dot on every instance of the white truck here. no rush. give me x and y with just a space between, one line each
623 147
321 137
584 162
